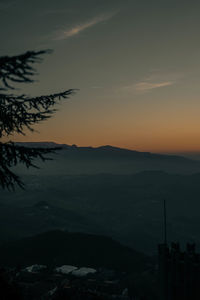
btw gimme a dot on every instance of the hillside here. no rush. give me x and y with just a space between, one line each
56 248
128 208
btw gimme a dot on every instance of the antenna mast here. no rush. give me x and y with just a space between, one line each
165 223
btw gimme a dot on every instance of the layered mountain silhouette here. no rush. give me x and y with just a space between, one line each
128 208
106 190
108 159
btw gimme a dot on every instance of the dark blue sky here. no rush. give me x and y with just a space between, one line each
136 63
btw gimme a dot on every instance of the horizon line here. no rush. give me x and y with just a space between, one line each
170 152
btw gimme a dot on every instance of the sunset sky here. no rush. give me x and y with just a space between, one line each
136 65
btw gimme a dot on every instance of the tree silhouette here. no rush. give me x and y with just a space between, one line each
20 112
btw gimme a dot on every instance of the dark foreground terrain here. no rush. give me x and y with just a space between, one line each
61 265
98 208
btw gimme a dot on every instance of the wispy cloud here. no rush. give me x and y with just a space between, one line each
69 32
145 86
154 81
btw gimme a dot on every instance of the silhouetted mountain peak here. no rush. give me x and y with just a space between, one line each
108 148
108 152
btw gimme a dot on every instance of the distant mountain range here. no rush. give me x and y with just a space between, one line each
108 159
106 190
107 150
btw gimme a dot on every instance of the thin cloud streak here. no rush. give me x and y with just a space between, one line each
65 34
146 86
154 81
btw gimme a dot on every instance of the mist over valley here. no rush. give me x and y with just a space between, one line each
108 191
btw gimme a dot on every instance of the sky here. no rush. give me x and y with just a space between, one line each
136 65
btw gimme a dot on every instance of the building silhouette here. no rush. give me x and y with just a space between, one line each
179 272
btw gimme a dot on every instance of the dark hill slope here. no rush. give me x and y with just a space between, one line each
128 208
60 247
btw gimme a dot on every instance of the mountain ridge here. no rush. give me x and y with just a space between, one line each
104 148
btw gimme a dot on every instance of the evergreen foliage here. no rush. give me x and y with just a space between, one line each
20 112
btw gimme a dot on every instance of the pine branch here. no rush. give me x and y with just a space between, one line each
11 155
8 179
19 68
20 112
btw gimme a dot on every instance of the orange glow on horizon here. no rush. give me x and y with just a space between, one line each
159 146
165 131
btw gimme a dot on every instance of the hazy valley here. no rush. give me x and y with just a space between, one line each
107 191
